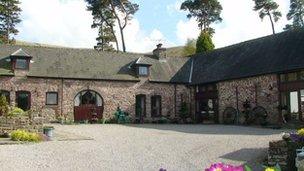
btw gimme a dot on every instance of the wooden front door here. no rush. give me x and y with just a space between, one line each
207 104
88 106
87 112
140 106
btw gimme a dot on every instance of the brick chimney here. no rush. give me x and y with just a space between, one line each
160 52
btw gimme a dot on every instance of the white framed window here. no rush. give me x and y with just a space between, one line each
143 70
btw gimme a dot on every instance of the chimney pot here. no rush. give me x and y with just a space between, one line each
160 52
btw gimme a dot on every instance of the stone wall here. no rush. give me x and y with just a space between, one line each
25 123
114 94
259 91
278 153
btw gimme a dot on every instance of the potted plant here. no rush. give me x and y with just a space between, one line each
48 131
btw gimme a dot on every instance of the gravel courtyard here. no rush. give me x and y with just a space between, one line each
141 147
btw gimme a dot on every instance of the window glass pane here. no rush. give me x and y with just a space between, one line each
21 64
283 77
156 106
210 88
51 98
301 75
202 89
292 76
143 70
294 105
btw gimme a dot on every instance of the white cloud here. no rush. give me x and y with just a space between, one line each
68 23
238 24
65 23
174 7
140 41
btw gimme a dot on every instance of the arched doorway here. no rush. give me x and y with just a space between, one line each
88 106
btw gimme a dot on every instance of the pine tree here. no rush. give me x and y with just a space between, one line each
104 21
296 14
119 11
104 39
204 43
268 8
206 12
9 18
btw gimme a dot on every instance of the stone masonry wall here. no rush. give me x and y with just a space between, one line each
262 91
114 94
8 125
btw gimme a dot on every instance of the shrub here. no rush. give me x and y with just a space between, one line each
184 112
4 107
300 132
163 120
15 111
22 135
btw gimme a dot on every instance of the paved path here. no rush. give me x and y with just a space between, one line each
141 147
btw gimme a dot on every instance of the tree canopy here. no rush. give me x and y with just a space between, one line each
296 14
204 43
190 47
9 18
268 8
107 13
206 12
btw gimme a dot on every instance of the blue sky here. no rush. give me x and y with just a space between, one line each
161 15
67 23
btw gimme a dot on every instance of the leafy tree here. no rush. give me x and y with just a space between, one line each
268 8
190 47
206 12
204 43
296 14
9 18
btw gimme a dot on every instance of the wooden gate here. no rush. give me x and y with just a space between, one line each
87 112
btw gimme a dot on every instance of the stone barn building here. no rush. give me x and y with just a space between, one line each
265 73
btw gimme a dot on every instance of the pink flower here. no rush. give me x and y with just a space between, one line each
224 167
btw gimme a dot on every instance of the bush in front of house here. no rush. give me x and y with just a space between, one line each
184 111
22 135
15 111
4 107
163 120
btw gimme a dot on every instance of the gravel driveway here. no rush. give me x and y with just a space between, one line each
141 147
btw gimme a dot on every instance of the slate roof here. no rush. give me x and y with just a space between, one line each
271 54
74 63
20 53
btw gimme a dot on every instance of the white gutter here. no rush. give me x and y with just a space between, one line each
191 71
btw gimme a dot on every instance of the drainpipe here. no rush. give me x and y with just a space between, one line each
237 104
61 101
175 99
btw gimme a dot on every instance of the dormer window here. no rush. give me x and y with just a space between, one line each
142 66
143 71
21 64
20 60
